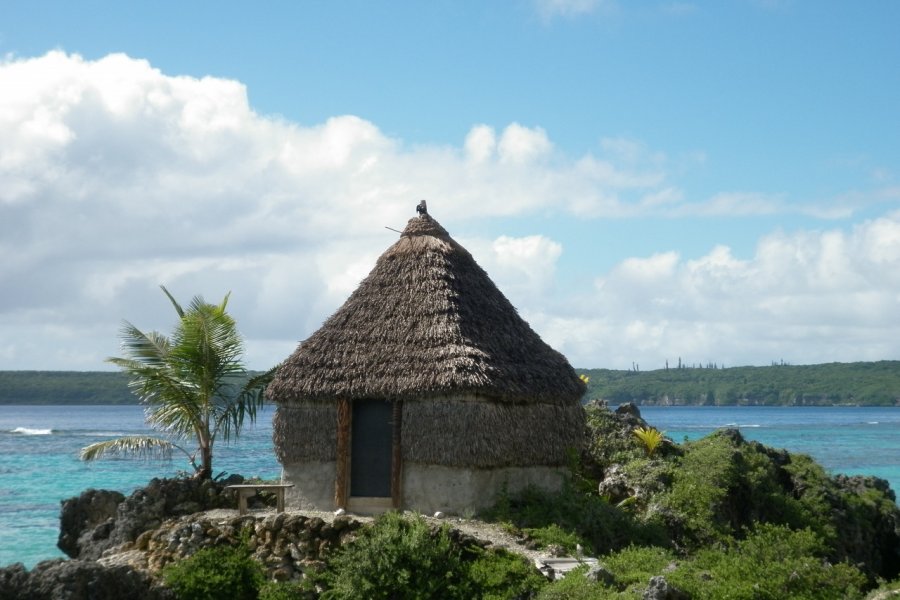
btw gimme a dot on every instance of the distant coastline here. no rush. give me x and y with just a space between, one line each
831 384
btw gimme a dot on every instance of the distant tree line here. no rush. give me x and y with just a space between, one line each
67 387
781 384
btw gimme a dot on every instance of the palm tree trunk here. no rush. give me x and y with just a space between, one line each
205 471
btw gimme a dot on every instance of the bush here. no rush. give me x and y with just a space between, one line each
773 562
405 558
500 575
396 558
215 573
285 590
569 517
635 565
574 586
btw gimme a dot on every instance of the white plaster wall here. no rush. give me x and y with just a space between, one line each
429 488
313 485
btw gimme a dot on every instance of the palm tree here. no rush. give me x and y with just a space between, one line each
194 385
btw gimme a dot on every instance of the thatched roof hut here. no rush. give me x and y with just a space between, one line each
470 386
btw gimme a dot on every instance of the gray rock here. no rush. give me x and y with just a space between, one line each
60 579
660 589
85 518
97 520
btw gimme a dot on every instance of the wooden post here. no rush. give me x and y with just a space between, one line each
397 456
342 468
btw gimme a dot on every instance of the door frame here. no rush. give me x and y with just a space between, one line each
342 466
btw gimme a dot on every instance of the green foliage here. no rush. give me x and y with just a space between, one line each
285 590
570 516
396 558
574 586
721 485
635 565
499 575
773 562
404 558
215 573
651 439
193 383
885 591
860 383
555 535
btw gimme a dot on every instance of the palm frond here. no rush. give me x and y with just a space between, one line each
247 402
174 302
133 445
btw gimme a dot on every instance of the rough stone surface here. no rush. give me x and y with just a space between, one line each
286 544
660 589
98 520
87 515
61 579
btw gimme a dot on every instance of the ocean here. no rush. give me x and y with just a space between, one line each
40 445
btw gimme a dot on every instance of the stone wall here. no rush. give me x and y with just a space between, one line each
286 544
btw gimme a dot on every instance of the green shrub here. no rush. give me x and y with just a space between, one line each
555 535
773 562
570 517
286 590
215 573
405 558
397 558
635 565
575 586
500 575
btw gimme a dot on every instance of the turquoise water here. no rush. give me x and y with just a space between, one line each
40 467
39 447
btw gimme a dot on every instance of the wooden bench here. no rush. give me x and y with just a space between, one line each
246 490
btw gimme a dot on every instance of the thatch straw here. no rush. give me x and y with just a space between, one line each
453 432
469 433
426 322
305 432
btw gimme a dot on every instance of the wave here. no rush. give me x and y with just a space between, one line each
103 433
31 431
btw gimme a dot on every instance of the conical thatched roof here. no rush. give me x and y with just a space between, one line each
426 322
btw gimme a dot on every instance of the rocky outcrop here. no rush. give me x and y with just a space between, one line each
286 544
97 520
745 483
660 589
60 579
91 513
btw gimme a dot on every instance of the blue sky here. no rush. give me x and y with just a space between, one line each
717 181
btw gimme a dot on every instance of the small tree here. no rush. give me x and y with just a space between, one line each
194 385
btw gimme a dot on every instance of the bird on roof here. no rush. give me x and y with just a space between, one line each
422 208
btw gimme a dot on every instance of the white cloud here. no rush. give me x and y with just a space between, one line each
115 178
481 143
520 145
804 297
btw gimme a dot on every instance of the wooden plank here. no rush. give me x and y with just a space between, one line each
397 456
343 453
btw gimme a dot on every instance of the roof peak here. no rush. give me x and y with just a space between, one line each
424 224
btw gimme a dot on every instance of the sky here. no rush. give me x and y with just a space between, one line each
711 181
